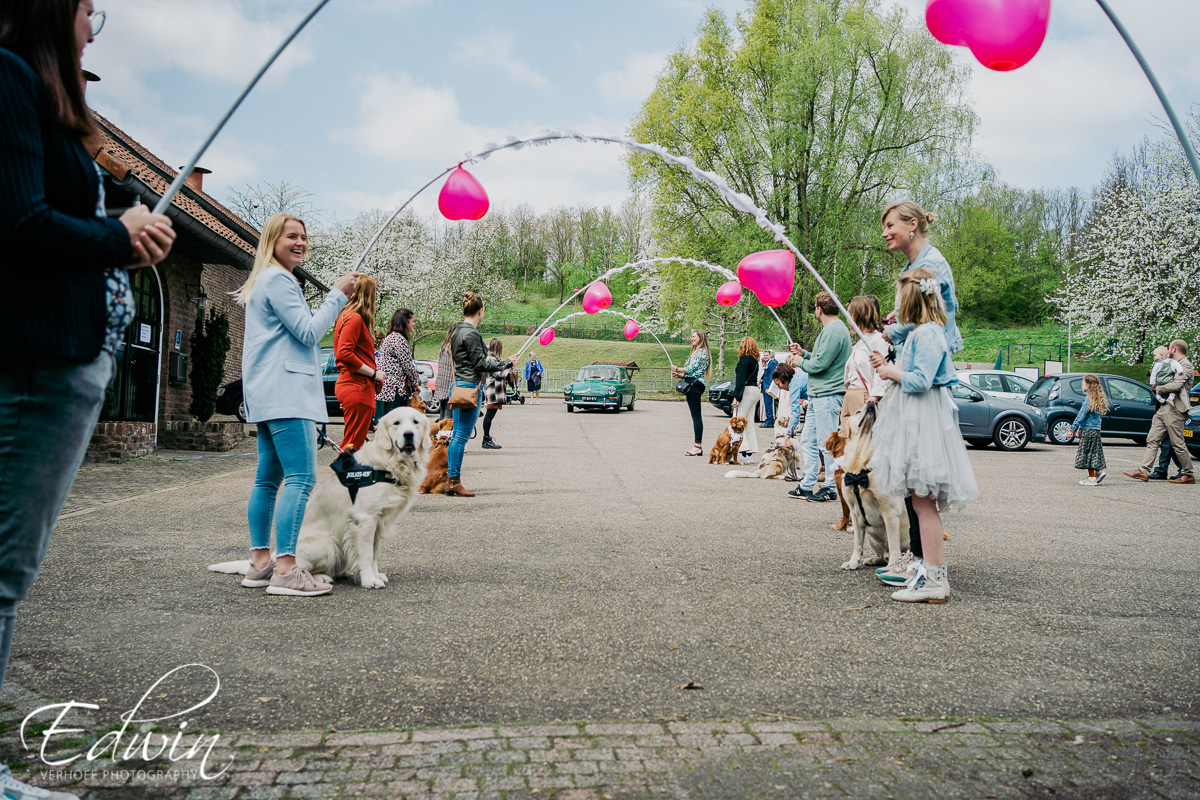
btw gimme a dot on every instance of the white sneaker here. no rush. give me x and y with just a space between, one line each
929 584
13 789
1089 482
1100 476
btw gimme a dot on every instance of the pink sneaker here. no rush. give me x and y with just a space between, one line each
297 583
258 578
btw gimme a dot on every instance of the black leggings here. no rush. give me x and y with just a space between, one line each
487 422
695 393
914 528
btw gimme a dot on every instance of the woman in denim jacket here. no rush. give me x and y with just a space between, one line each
905 227
1086 428
695 372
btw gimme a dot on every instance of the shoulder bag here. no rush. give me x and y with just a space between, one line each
463 397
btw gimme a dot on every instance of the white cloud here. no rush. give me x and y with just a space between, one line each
417 131
633 81
494 49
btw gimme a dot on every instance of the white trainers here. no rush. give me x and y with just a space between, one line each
13 789
1101 475
929 584
1089 482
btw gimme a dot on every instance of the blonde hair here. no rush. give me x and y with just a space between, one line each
264 256
702 342
1097 399
916 306
907 211
748 347
362 301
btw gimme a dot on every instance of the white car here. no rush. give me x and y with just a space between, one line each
997 383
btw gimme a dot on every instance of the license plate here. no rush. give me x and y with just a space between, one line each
1187 433
591 398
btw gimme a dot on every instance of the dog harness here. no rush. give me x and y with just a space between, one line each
855 480
353 475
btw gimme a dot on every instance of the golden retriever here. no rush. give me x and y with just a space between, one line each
877 517
437 479
779 459
342 539
725 451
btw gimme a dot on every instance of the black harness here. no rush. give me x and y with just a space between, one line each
858 481
352 474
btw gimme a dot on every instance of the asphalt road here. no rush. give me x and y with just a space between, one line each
599 570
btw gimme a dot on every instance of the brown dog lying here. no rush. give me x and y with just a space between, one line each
725 451
436 478
836 446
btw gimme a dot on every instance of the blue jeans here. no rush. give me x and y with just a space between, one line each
822 420
47 414
464 424
287 454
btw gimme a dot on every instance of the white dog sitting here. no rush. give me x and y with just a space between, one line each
340 538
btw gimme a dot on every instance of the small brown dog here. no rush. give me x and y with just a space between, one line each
416 403
836 446
725 451
436 476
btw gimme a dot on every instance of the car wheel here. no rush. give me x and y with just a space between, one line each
617 407
241 411
980 443
1011 434
570 408
630 408
728 411
1059 430
433 407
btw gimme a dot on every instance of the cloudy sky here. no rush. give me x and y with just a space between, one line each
378 96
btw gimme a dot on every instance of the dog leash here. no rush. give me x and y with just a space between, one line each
354 475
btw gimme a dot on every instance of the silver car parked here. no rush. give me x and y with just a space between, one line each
984 420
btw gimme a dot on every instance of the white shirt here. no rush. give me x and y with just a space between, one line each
858 366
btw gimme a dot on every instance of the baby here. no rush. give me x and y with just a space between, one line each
1163 371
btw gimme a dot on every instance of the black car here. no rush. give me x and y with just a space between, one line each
721 396
230 399
1060 396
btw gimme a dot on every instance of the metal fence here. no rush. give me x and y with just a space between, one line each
648 381
572 329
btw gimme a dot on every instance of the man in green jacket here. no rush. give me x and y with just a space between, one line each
825 365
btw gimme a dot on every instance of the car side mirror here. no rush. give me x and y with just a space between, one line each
976 397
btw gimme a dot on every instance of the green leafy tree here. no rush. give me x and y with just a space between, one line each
210 344
819 110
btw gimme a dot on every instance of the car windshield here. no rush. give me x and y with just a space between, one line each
595 373
425 370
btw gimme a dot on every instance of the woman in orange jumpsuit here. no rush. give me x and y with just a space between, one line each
354 350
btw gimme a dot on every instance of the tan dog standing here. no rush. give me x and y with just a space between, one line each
877 517
836 446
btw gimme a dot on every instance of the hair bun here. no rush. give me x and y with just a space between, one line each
930 218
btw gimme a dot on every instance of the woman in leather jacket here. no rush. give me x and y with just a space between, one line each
471 362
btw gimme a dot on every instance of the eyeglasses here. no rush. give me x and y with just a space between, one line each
97 18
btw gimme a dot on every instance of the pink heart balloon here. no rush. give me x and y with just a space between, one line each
632 329
547 337
1002 34
770 274
729 293
596 297
462 197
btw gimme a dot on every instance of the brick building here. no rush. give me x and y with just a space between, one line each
147 403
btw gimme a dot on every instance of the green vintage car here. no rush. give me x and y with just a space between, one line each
602 385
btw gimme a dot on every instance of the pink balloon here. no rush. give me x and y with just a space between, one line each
547 337
770 274
632 329
1002 34
462 197
729 293
596 298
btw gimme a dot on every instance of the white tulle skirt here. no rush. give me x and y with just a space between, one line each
919 449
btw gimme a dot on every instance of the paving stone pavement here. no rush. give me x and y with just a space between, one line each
835 758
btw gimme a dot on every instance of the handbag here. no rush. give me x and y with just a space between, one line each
463 397
684 385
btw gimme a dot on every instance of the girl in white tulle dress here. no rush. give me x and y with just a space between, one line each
919 450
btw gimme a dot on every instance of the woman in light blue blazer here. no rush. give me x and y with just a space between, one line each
281 381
